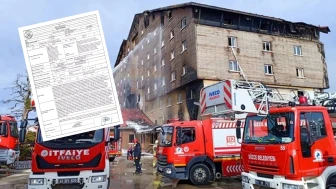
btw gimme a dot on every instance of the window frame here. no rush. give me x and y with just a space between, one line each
194 131
183 23
264 43
230 41
237 65
271 66
296 47
298 71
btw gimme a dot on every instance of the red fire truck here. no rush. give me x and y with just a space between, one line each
289 145
9 140
77 161
115 147
200 151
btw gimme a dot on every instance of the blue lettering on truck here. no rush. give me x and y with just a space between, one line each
214 94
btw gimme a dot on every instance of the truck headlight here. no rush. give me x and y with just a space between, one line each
36 181
291 186
168 170
245 179
100 178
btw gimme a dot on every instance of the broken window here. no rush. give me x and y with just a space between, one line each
268 69
170 15
148 90
162 20
155 86
154 67
297 50
155 50
228 21
299 72
233 66
148 73
267 46
183 23
232 41
147 56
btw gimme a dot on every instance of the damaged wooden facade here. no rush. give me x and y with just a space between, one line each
172 52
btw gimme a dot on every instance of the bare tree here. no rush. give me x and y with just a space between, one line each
20 96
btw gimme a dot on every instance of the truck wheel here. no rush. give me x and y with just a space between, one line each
332 183
199 174
112 159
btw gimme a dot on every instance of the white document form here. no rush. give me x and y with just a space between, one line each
70 75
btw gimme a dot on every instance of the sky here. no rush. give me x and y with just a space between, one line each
117 17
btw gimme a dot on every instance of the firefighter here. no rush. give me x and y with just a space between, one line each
137 157
154 153
130 153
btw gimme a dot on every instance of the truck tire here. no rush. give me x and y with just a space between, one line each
331 183
111 159
199 174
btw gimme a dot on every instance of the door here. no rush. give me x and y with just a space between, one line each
191 145
314 143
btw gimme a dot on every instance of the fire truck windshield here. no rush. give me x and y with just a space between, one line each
91 137
273 129
165 137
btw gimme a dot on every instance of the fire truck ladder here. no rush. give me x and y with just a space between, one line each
257 93
265 96
241 72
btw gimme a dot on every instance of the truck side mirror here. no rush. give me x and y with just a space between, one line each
22 135
116 132
3 129
178 135
238 131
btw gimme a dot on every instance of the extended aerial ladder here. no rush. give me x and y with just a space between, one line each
232 98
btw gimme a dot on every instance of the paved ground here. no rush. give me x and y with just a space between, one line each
122 178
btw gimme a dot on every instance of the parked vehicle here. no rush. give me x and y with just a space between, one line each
9 140
77 161
115 147
204 150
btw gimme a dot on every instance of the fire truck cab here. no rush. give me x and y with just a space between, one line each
9 140
202 150
287 143
76 161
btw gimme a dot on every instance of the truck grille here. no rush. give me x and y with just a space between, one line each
263 168
43 164
3 155
162 160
